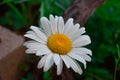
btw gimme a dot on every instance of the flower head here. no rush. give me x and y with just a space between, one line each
59 43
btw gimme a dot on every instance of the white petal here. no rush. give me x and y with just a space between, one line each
82 30
60 25
42 61
60 67
36 47
40 52
86 57
59 63
66 61
30 32
68 26
75 32
49 62
56 58
31 51
75 66
46 25
53 24
81 51
77 57
43 50
32 47
34 37
79 68
82 41
39 33
32 44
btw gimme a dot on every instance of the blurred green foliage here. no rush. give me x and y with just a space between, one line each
103 28
28 77
18 14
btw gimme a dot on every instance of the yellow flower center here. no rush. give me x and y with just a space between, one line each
59 43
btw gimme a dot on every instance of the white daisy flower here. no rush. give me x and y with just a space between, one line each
59 43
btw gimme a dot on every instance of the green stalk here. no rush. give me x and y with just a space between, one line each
116 62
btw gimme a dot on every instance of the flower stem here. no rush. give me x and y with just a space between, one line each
116 62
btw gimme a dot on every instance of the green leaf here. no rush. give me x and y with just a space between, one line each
17 12
47 76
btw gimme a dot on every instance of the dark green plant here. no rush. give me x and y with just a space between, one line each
24 13
104 29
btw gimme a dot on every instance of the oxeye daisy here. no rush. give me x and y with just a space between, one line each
58 42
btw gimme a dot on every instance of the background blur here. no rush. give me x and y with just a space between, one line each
103 27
